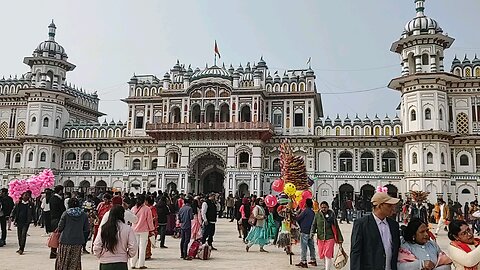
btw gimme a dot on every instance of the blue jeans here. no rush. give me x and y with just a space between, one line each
305 241
185 239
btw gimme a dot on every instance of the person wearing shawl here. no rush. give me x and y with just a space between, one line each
418 251
464 248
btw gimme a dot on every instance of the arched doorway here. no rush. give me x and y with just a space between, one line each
69 186
172 188
100 186
243 190
84 186
392 190
465 193
346 192
210 113
245 114
366 194
207 173
213 182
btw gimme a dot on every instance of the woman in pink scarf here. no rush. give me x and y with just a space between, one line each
464 248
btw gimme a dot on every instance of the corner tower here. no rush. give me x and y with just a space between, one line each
424 104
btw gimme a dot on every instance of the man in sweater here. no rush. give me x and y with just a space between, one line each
209 216
185 216
305 220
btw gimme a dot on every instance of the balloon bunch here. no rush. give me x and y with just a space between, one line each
381 189
289 193
36 184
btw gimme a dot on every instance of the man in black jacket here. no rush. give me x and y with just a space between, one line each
209 215
6 206
57 207
376 237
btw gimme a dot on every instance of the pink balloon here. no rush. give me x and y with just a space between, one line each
302 204
277 185
270 200
307 194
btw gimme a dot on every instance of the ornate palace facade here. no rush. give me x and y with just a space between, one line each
219 128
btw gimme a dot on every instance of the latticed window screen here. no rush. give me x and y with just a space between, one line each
21 129
462 123
3 130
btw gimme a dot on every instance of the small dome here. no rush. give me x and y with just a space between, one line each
212 71
328 121
396 120
50 46
166 76
177 66
357 120
276 79
347 121
261 63
337 121
248 76
466 61
310 72
377 120
476 61
269 78
387 120
231 69
285 77
456 61
112 123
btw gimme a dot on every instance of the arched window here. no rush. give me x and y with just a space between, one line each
413 115
195 109
244 160
154 164
428 114
210 113
389 162
277 118
224 113
276 165
442 158
464 160
175 115
337 131
346 162
54 157
30 156
397 130
245 114
34 119
387 131
43 157
71 156
377 131
173 160
136 164
425 60
429 158
57 123
298 120
366 162
414 158
103 156
17 157
367 131
87 156
440 114
465 191
45 122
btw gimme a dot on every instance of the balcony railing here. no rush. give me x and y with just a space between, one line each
211 125
172 165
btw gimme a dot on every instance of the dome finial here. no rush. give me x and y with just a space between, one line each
420 7
51 31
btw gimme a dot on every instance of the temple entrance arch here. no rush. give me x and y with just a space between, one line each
207 173
243 190
366 193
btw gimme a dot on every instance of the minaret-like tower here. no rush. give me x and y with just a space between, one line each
46 99
424 105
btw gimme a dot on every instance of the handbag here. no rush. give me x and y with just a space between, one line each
341 259
54 239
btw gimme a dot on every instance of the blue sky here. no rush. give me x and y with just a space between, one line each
348 41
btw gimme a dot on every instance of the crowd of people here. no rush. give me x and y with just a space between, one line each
123 228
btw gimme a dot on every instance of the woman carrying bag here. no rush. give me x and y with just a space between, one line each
328 232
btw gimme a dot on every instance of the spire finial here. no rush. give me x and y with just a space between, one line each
51 31
420 7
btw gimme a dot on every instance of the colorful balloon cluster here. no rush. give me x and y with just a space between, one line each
381 189
289 193
36 184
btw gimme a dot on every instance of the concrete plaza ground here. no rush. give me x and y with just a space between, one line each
230 255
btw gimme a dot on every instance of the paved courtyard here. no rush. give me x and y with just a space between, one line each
230 255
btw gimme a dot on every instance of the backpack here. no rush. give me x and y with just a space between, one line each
194 247
204 252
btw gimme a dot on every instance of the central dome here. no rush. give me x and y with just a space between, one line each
212 71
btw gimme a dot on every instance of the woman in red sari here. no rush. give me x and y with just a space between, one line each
464 249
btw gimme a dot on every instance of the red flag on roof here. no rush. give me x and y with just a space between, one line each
216 49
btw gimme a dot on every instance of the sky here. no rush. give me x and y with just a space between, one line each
348 41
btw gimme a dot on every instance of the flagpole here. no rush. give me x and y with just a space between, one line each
214 59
